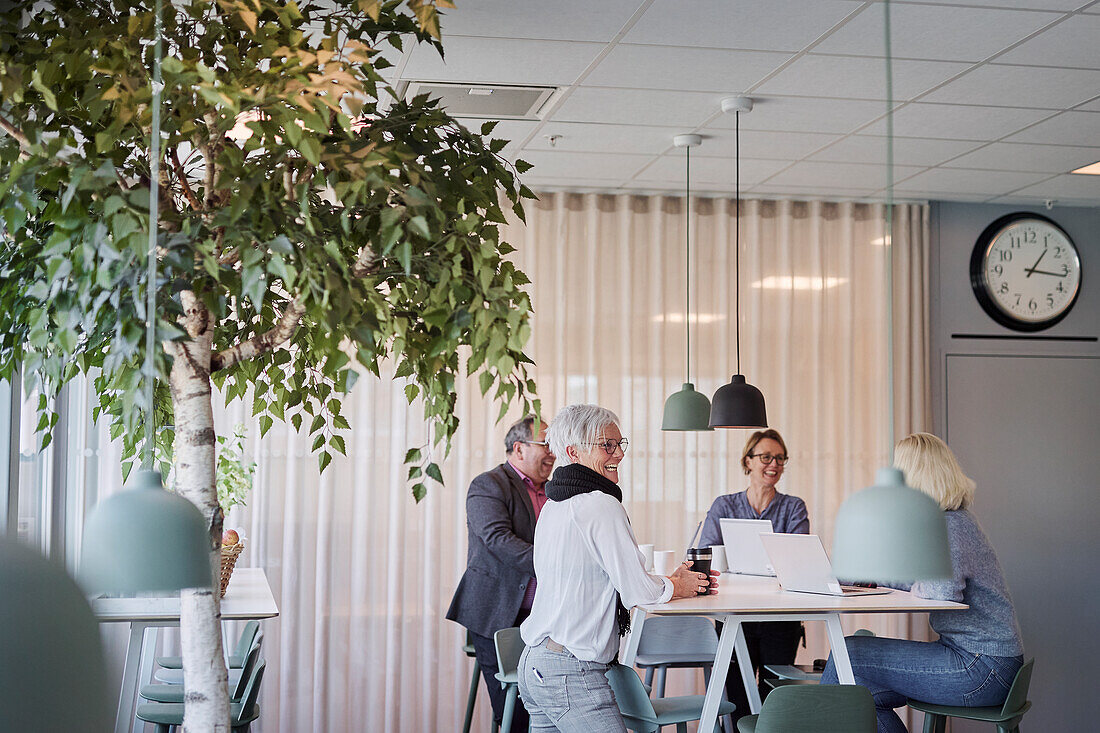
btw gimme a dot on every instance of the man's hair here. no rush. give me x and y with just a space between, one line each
576 425
521 430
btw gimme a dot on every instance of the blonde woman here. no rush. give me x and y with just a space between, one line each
979 650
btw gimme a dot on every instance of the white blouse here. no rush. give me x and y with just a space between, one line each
584 552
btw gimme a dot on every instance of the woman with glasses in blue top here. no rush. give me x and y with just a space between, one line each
772 642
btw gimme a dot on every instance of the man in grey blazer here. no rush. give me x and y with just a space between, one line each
498 587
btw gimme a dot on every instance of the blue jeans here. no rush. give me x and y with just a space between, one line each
563 693
937 672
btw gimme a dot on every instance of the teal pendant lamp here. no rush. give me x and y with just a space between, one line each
738 404
687 409
891 533
146 538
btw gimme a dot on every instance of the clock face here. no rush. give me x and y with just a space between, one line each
1025 271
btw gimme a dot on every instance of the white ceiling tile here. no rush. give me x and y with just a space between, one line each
1020 86
957 122
571 183
633 106
936 32
555 164
1093 106
670 168
804 114
858 78
1071 43
1023 157
776 25
515 131
764 144
1068 128
564 20
852 175
1059 5
959 180
769 189
502 61
604 138
1061 188
688 69
907 150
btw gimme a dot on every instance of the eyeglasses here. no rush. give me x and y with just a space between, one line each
767 458
609 446
543 443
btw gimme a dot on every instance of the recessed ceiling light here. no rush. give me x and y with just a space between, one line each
1089 170
480 91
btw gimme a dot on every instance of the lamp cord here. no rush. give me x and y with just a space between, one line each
889 237
154 212
737 232
687 267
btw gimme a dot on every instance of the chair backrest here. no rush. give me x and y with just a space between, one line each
468 647
1017 694
629 692
678 635
250 663
818 709
509 646
248 635
251 692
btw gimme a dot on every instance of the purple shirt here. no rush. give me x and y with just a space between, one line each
787 513
538 500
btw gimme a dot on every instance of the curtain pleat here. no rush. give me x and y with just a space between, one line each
363 575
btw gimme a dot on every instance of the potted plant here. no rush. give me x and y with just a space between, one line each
234 481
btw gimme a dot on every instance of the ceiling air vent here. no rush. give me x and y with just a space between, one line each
494 101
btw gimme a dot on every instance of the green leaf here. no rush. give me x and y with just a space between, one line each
433 472
419 491
323 460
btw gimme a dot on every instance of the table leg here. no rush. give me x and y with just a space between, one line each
716 689
633 637
840 650
126 695
748 677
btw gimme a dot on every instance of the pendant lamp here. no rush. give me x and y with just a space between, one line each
738 404
687 409
146 538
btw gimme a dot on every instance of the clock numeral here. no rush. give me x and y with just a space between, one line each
1050 300
1029 236
1060 288
998 269
1014 240
1032 305
1065 269
1057 252
1017 303
1006 255
1004 288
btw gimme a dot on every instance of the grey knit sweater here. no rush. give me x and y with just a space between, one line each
989 626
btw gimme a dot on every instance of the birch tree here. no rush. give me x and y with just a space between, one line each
313 225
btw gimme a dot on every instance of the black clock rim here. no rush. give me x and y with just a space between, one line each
977 278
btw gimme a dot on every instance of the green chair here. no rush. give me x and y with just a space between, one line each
645 715
509 646
814 709
800 674
471 697
168 715
675 641
236 658
174 693
1006 717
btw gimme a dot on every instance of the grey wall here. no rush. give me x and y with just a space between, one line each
1023 418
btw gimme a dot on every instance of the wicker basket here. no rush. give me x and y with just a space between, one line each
230 553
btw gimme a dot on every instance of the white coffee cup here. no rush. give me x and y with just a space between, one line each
647 553
718 559
664 562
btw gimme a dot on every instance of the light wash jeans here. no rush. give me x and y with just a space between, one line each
936 672
563 693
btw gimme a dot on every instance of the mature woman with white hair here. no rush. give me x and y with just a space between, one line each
979 650
589 571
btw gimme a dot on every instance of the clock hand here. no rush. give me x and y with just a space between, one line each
1031 269
1044 272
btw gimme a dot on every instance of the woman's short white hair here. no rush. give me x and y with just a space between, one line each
930 466
575 425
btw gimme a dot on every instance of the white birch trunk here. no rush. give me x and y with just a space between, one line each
206 707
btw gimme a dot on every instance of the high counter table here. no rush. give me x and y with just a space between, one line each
742 598
247 597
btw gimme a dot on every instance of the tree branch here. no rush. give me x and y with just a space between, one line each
24 143
261 343
181 175
365 265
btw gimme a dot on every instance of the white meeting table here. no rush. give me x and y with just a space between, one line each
743 598
248 596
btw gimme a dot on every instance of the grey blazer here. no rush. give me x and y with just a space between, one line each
500 522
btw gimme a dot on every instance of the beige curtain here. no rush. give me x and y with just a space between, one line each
363 576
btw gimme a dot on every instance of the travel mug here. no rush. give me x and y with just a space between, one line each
700 563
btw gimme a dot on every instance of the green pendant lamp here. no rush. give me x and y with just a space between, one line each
738 404
687 409
891 533
146 538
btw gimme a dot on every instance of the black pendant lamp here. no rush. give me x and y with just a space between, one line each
687 409
738 404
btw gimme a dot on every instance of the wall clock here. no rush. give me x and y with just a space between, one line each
1025 271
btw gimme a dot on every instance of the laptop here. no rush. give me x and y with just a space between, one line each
744 551
801 565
